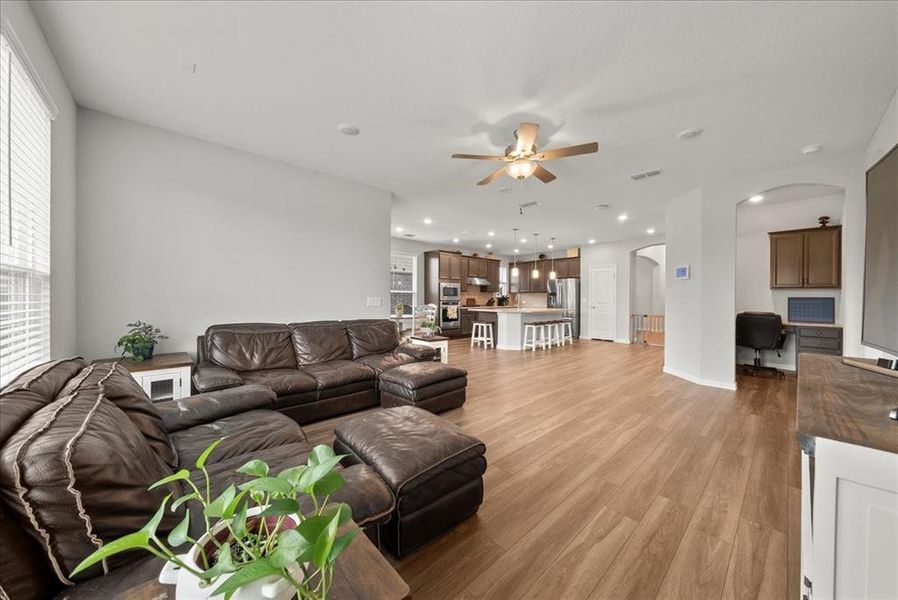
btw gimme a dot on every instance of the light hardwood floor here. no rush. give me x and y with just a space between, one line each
609 479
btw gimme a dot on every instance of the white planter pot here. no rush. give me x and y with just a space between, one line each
188 586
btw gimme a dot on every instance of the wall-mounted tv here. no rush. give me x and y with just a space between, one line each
880 328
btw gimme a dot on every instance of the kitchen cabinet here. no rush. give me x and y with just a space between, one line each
806 258
467 322
464 271
450 266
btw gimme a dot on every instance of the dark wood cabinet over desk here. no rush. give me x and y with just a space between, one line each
806 258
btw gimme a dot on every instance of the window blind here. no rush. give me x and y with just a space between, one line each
24 219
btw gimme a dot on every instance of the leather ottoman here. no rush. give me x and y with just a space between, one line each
433 386
434 469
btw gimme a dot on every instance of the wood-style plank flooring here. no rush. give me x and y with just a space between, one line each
610 479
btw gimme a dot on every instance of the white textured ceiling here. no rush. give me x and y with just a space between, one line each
425 79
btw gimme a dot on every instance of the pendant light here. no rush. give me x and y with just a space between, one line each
515 272
552 274
534 274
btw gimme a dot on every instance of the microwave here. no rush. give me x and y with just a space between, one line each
450 291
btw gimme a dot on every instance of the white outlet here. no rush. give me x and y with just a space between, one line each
374 301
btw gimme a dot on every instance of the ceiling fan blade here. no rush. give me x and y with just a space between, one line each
479 156
543 174
568 151
526 138
492 176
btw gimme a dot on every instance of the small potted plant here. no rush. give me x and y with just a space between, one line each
140 341
258 542
429 328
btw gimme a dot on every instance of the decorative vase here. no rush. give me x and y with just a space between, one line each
189 587
143 351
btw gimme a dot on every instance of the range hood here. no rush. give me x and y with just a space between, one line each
478 281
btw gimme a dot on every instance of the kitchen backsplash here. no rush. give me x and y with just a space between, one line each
480 298
533 300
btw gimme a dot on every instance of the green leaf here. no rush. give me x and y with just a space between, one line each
180 475
312 527
328 484
272 485
293 474
319 454
325 542
178 535
154 521
341 543
344 510
280 507
201 460
314 474
183 499
138 539
217 507
252 572
291 548
223 564
255 467
239 522
231 508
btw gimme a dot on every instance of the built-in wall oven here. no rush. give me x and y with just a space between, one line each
450 310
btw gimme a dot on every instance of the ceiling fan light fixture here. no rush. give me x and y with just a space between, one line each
521 168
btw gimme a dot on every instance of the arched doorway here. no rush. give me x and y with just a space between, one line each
647 287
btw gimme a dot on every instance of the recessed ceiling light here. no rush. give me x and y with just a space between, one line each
516 250
650 231
489 245
398 229
454 240
592 241
756 198
491 233
523 240
812 149
622 217
347 129
428 220
550 246
689 134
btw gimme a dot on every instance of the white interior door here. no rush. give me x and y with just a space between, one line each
603 302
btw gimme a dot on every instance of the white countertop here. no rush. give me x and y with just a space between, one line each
518 310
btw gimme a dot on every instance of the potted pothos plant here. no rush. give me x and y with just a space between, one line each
258 542
429 328
140 341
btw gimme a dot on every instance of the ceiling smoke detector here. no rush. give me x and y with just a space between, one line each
505 190
347 129
690 134
645 174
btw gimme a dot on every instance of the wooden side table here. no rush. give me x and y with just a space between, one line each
163 377
438 342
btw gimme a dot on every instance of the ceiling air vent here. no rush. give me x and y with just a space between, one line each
408 235
645 174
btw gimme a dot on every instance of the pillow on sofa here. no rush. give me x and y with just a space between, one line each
372 336
250 346
75 475
320 342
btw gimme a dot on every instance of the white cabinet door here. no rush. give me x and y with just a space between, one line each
168 384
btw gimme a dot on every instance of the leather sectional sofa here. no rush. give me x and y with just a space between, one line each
79 444
317 370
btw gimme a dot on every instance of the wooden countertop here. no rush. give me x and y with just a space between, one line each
516 310
844 403
171 360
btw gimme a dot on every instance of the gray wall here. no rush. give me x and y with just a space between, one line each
184 233
62 178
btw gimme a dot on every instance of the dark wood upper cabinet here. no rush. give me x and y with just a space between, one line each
806 258
464 271
450 266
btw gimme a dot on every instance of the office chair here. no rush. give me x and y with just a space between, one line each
760 331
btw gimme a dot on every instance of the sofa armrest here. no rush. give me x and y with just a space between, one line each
208 378
211 406
421 353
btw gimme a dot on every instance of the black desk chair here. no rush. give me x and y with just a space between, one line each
760 331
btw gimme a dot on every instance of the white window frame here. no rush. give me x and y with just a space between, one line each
25 247
408 320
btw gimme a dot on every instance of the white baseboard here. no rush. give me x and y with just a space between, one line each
724 385
621 341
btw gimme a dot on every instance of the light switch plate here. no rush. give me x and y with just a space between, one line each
374 301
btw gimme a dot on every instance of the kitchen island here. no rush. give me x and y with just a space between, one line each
511 320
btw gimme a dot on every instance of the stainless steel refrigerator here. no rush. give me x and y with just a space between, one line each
565 293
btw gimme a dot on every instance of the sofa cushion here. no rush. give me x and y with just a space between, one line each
209 378
33 390
387 360
119 387
200 409
372 336
337 373
421 374
250 346
319 342
282 381
75 475
253 431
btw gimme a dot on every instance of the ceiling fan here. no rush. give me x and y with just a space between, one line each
523 158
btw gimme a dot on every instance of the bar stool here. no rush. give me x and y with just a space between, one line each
567 330
555 336
536 333
482 334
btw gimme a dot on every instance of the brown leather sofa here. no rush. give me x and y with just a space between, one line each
79 444
317 370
